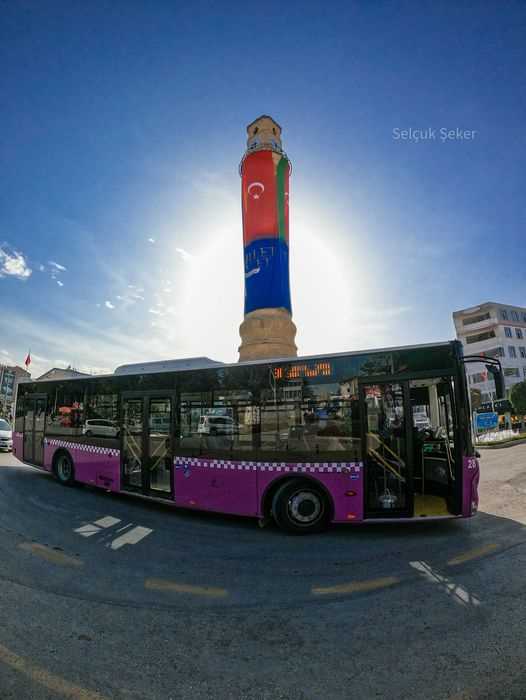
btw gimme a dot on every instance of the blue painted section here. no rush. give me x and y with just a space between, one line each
487 420
267 275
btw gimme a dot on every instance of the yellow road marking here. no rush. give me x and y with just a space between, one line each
473 554
357 586
36 674
50 554
160 584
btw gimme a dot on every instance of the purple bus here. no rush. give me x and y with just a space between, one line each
344 438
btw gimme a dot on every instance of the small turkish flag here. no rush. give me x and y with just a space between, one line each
27 361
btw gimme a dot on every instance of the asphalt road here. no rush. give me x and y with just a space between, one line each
106 596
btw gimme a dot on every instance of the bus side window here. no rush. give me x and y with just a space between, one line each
65 410
20 414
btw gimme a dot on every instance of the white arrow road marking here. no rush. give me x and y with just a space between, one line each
136 534
107 521
88 530
459 594
131 537
92 529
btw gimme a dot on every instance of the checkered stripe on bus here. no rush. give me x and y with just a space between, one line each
303 467
93 449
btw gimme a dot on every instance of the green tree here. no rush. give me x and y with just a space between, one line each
518 398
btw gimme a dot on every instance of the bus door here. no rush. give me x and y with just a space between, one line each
147 443
34 424
386 436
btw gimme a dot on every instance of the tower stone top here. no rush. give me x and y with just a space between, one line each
264 132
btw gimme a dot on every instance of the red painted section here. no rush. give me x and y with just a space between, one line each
259 197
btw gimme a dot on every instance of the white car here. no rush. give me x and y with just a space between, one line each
6 436
216 425
100 427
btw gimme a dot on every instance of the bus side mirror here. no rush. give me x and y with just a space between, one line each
498 378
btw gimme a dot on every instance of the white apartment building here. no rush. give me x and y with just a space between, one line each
494 330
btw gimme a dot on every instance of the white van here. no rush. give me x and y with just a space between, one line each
6 436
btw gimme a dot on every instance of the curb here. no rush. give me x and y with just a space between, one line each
509 443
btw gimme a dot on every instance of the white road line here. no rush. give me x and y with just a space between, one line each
132 537
88 530
107 521
455 590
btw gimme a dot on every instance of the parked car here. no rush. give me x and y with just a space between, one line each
100 427
6 436
216 425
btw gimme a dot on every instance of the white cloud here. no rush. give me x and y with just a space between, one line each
57 266
60 284
13 264
41 268
157 312
109 305
185 255
151 240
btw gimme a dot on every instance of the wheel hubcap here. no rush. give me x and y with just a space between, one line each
64 468
305 507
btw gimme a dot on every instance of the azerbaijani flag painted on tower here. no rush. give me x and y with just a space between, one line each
265 202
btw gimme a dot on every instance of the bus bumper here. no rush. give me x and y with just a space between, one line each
470 488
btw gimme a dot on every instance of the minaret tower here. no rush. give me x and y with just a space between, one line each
267 330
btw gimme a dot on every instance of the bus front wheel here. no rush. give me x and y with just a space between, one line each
300 507
64 469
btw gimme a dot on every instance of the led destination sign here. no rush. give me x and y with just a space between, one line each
306 369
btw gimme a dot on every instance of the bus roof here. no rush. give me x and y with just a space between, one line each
193 363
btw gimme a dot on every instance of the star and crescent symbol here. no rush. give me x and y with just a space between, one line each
255 189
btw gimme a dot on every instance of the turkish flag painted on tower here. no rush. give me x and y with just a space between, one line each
260 206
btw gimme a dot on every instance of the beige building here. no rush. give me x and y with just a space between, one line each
494 330
58 373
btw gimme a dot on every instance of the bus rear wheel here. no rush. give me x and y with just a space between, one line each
300 507
64 469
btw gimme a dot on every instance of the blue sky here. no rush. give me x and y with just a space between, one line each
122 127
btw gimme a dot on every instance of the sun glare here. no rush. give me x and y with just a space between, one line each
327 288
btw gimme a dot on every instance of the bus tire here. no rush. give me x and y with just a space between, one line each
301 507
64 468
